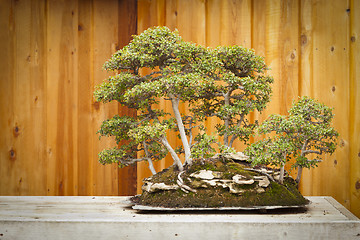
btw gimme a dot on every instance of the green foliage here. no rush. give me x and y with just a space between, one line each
305 135
226 82
203 147
275 151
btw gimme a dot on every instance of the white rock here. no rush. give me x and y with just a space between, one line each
212 183
205 174
263 181
154 187
238 156
239 179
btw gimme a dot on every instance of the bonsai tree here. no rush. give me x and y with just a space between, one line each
304 135
226 82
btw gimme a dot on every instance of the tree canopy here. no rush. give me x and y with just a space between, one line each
304 135
226 82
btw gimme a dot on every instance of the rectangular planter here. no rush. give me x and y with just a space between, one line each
67 218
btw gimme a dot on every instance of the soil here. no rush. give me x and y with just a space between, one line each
275 194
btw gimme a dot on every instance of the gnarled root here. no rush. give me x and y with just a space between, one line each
182 186
263 173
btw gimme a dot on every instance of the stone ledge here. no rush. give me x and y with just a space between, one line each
28 217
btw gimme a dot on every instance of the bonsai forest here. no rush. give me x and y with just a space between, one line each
227 83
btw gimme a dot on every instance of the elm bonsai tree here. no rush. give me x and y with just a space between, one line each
226 82
306 130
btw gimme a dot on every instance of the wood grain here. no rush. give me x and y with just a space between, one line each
329 66
105 35
127 19
306 71
61 98
354 118
86 134
53 54
22 114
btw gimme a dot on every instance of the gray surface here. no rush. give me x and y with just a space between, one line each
113 218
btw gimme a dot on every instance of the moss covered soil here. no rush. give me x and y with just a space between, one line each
275 194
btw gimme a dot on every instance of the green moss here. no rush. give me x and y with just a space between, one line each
275 193
202 165
167 176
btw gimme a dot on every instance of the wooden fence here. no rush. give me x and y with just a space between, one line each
52 53
52 57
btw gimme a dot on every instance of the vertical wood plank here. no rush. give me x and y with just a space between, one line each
258 27
150 13
86 133
235 23
281 53
213 26
23 81
306 72
7 65
105 35
330 81
62 108
190 20
272 56
354 119
275 37
258 43
36 101
127 27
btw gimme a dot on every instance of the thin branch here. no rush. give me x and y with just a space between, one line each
135 160
175 157
238 125
151 165
312 151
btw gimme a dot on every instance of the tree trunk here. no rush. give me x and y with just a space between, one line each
151 166
282 171
298 177
300 168
226 121
175 106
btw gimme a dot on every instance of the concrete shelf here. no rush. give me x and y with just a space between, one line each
67 218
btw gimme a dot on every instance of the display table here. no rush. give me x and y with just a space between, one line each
102 218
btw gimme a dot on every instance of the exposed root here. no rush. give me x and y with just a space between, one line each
182 186
261 172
